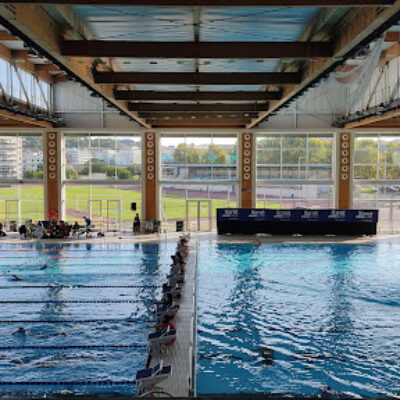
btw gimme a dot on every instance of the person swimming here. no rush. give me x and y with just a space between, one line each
16 278
21 331
43 267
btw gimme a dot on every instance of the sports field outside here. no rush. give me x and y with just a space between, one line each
31 203
77 203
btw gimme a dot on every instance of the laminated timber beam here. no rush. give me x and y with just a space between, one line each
34 26
193 78
196 96
197 115
190 108
223 122
217 3
209 50
356 30
374 120
15 118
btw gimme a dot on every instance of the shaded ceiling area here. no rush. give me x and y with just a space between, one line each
227 65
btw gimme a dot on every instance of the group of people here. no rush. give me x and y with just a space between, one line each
53 229
171 291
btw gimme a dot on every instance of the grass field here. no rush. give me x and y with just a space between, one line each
77 203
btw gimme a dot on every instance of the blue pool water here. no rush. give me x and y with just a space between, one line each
126 280
314 320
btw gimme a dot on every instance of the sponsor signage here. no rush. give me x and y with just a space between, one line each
268 215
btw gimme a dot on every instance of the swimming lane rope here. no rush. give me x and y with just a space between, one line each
74 321
82 287
75 301
67 383
86 347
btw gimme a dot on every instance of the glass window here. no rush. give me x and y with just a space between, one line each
103 157
107 205
21 85
300 158
377 163
198 158
294 157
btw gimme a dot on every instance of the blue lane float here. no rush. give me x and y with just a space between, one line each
81 287
75 302
69 383
82 347
75 321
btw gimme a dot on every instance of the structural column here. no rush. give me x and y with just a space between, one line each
344 171
150 175
52 175
247 171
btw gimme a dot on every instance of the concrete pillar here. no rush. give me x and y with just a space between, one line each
52 175
344 171
150 176
247 170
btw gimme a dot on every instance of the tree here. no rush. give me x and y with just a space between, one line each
71 173
29 174
124 174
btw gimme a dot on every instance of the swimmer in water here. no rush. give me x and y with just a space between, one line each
43 267
21 331
16 278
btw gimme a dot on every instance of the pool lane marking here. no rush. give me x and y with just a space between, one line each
82 287
75 321
69 383
69 347
75 301
77 274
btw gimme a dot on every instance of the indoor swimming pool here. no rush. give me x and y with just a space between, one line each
312 320
86 311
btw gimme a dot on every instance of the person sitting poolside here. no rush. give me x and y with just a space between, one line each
39 231
2 233
136 224
167 322
75 228
23 232
88 226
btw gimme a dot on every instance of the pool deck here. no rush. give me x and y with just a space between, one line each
13 238
181 355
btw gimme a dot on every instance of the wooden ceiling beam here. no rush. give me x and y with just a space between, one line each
357 29
198 115
373 120
209 50
196 96
38 30
200 123
6 36
187 108
50 68
392 37
217 3
17 118
192 78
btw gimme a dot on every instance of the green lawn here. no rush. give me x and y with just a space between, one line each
77 199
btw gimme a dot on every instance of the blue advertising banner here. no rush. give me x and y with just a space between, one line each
268 215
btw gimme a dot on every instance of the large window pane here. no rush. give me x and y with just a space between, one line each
103 157
294 157
175 205
377 157
108 206
291 196
198 158
301 157
21 202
